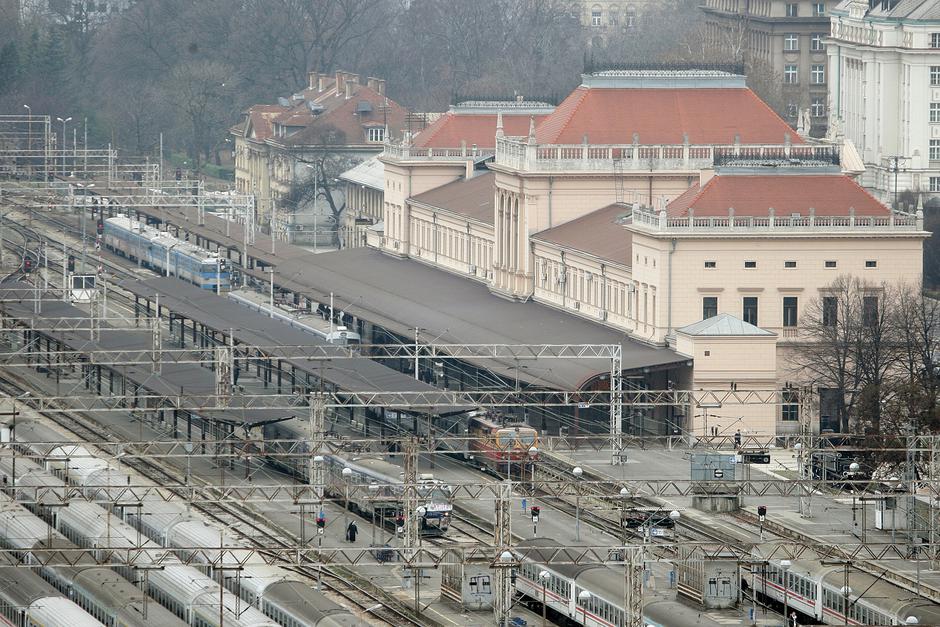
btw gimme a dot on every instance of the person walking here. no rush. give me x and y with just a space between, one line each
352 531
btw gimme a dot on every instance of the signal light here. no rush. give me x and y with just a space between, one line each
535 510
71 263
27 264
321 523
762 512
100 226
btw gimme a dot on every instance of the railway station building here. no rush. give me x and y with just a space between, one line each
648 202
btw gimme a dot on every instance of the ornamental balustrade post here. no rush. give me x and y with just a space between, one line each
731 218
920 219
685 150
691 218
852 216
786 145
463 147
662 219
773 217
812 217
636 151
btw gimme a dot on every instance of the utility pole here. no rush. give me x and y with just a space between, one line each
504 562
157 340
633 585
804 452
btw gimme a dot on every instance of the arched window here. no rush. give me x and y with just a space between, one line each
629 19
596 15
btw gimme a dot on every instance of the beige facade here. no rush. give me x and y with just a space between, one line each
784 39
675 266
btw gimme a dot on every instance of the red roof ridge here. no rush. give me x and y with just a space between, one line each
794 137
865 191
432 130
571 110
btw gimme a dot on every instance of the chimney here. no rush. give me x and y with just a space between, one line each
377 84
340 82
313 80
349 87
321 84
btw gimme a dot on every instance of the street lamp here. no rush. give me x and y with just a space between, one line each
29 133
533 455
577 472
544 576
785 568
583 597
347 473
846 593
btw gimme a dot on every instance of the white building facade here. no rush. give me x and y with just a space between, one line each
884 59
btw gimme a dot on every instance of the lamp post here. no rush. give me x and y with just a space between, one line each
29 136
543 579
62 143
347 473
846 593
583 597
577 472
785 569
533 456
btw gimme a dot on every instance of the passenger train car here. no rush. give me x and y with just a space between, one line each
505 450
169 255
26 600
602 606
98 590
816 590
387 496
278 593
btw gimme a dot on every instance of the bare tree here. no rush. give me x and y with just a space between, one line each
917 388
201 92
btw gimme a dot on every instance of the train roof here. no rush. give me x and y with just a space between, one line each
309 609
164 239
57 611
882 594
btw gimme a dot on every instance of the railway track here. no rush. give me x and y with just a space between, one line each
243 522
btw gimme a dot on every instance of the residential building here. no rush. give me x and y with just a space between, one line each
885 93
603 18
322 131
784 40
648 201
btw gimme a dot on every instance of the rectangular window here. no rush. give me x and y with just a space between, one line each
711 264
935 112
871 263
792 110
793 9
789 311
596 17
750 264
750 310
935 40
830 311
818 75
934 149
831 264
709 307
791 75
935 75
789 264
376 134
869 310
816 42
935 183
818 108
819 9
791 42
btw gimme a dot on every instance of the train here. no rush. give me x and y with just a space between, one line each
167 254
269 590
815 590
99 591
27 600
564 587
504 450
339 335
434 498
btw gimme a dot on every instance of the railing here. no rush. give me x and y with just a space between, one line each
517 153
411 153
661 222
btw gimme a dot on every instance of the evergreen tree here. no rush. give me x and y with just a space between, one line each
9 67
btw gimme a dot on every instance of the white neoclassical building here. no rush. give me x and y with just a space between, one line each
884 59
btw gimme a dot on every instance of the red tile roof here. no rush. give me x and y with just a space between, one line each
661 116
472 198
453 127
341 114
260 118
598 233
754 195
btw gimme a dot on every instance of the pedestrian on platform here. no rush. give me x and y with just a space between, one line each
352 531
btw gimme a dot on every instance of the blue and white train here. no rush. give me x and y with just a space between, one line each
167 254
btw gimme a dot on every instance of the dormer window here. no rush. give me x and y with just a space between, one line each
376 134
